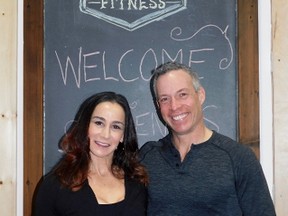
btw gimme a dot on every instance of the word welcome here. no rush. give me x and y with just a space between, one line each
92 66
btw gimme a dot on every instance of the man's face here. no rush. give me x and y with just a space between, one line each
179 103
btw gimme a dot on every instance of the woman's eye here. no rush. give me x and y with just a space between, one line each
117 127
98 123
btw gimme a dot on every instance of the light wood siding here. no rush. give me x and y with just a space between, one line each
8 113
280 103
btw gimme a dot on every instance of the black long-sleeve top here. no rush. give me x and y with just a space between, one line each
53 200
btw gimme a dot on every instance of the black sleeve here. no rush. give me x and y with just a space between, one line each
136 199
45 197
253 193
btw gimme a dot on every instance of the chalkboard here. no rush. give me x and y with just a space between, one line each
95 45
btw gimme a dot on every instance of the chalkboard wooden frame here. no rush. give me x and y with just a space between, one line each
248 110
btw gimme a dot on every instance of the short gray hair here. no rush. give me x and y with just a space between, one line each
169 66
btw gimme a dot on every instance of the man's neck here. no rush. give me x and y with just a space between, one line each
184 142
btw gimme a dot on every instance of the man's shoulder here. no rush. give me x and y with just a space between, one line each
150 145
153 146
232 147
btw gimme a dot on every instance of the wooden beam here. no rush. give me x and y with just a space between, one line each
33 99
248 77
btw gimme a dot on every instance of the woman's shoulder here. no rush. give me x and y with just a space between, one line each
134 186
135 190
46 191
50 178
48 183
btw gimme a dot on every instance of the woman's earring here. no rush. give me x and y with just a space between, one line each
121 143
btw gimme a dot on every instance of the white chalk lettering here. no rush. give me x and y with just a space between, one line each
69 62
178 56
92 67
129 4
86 67
148 124
225 62
145 56
119 67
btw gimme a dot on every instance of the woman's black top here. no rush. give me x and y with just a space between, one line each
53 200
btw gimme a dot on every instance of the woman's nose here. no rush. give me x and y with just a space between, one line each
105 132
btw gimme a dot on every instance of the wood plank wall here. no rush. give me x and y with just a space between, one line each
248 128
280 103
8 112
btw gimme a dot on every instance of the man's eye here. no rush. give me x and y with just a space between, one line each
183 95
163 100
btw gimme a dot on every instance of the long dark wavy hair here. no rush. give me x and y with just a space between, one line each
72 169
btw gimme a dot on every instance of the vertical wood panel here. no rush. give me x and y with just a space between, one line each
280 103
8 70
33 98
248 74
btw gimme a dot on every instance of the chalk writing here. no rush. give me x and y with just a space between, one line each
177 31
126 5
154 10
96 71
214 125
147 124
112 45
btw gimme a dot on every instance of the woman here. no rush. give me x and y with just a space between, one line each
99 173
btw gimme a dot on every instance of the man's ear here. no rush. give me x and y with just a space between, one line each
201 94
158 105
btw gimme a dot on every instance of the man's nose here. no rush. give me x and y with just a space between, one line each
174 103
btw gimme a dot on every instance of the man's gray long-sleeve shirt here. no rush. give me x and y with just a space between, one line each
218 177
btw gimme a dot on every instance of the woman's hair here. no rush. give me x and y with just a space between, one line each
73 167
171 66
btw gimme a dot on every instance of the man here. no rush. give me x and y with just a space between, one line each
194 170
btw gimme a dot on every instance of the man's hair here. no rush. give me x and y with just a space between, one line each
171 66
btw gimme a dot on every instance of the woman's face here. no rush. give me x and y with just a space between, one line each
106 129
